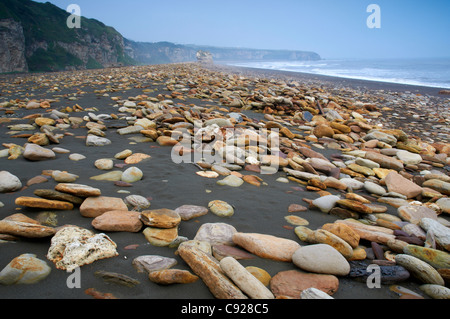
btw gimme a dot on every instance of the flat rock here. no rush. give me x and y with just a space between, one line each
118 221
25 229
172 276
322 259
415 213
78 189
267 246
136 158
36 202
160 237
389 274
399 184
352 183
408 157
188 212
113 176
64 177
93 140
231 180
291 283
354 205
440 232
438 185
95 206
381 136
444 204
221 251
385 161
160 218
343 231
150 263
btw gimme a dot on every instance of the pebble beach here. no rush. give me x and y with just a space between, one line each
320 188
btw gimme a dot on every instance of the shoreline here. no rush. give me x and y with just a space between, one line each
341 81
167 185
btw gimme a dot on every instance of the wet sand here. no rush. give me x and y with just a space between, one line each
168 185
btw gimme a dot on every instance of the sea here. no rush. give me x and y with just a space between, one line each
434 72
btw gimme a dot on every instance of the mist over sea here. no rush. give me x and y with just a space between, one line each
433 72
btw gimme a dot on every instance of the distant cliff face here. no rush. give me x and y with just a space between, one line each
35 37
12 47
166 52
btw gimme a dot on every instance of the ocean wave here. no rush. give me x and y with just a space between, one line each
422 73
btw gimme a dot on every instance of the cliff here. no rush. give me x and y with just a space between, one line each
35 37
166 52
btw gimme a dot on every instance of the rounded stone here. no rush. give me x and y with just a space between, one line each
373 188
326 203
221 208
420 269
34 152
137 202
188 212
24 269
260 274
9 182
104 164
132 174
231 180
436 291
408 157
321 258
216 233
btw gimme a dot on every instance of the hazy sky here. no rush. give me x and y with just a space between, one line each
332 28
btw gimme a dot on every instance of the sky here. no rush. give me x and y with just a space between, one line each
333 29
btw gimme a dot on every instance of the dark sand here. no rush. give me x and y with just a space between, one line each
260 210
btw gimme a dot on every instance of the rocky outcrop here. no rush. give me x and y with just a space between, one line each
35 37
12 47
204 57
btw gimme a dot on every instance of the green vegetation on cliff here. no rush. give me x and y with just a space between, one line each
45 30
